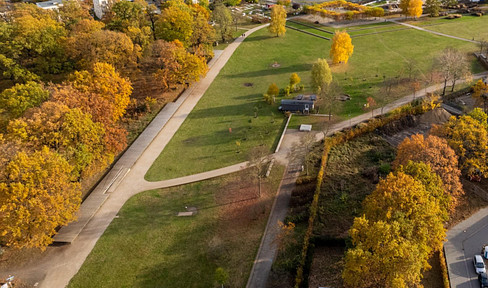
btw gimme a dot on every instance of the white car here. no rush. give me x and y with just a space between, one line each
479 265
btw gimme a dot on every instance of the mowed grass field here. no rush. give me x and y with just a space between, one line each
468 27
149 246
204 141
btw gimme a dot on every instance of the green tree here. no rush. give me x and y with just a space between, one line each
223 18
37 194
127 14
221 276
433 7
321 75
278 20
175 23
73 11
16 100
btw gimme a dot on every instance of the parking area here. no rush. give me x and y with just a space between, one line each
464 241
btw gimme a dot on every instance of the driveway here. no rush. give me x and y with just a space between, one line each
464 241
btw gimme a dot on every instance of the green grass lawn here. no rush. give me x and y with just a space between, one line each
204 142
149 246
468 26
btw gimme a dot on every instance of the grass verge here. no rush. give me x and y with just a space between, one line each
148 246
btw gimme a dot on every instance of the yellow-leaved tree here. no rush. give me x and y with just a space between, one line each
37 194
106 82
342 47
480 93
415 8
468 137
278 20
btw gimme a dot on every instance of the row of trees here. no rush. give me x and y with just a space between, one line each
402 224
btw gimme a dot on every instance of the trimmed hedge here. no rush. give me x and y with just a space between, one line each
414 108
445 276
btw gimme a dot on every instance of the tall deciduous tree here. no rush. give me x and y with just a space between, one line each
176 65
452 65
203 34
380 248
175 23
278 20
101 111
321 75
435 152
69 132
37 194
106 82
433 7
342 47
468 137
222 16
415 8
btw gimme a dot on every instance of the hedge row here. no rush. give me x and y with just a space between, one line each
415 108
445 277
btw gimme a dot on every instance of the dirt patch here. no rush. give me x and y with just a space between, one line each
469 203
433 277
247 84
276 65
327 266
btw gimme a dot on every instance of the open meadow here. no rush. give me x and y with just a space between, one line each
223 127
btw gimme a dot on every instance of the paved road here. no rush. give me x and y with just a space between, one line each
464 241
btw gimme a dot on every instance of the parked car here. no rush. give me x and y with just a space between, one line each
479 265
483 278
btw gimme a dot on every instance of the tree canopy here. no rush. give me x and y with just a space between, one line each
341 48
321 75
278 20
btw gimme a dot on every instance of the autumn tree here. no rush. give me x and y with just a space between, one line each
106 82
480 94
14 101
435 152
379 249
69 132
341 48
433 184
89 44
175 65
321 75
34 39
223 18
15 72
468 137
415 8
404 4
101 111
125 14
37 195
71 12
452 65
278 20
433 7
294 80
175 23
203 34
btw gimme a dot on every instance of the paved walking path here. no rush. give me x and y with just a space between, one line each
433 32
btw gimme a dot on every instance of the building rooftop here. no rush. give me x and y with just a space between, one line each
51 4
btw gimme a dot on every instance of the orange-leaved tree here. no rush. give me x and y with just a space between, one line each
435 152
37 194
342 47
278 20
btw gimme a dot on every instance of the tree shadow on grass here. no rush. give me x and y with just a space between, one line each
273 71
257 38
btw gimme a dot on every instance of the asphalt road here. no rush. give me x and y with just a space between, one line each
464 241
